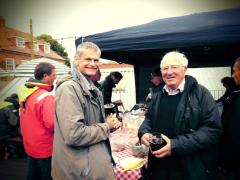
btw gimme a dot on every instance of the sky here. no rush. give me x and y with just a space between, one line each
66 20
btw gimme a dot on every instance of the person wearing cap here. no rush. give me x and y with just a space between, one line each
186 115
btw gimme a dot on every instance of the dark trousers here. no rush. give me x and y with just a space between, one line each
39 169
162 174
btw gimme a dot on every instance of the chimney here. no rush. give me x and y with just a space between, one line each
2 21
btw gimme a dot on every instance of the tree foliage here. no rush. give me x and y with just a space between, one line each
55 46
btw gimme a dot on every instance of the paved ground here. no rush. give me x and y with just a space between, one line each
13 169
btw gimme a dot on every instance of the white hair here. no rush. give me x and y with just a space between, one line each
86 45
174 58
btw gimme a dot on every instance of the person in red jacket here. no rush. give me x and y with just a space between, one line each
37 121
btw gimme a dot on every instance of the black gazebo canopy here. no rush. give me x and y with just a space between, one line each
208 39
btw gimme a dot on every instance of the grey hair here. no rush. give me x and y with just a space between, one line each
237 62
86 45
174 57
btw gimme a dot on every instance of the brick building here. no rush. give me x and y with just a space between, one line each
15 46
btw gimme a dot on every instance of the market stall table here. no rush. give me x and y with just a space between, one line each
124 137
133 174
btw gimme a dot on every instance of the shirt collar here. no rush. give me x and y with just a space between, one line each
176 91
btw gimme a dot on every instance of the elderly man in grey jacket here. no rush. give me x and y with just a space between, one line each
81 146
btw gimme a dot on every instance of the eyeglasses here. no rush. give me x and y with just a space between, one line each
172 67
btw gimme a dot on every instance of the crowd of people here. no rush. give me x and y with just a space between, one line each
66 134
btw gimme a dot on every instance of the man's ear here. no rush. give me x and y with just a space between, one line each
44 75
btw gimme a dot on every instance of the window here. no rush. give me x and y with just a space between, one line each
20 42
47 48
10 64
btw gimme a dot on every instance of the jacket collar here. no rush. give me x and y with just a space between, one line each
30 87
87 85
37 83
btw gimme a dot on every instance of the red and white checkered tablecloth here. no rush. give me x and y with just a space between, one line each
126 175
